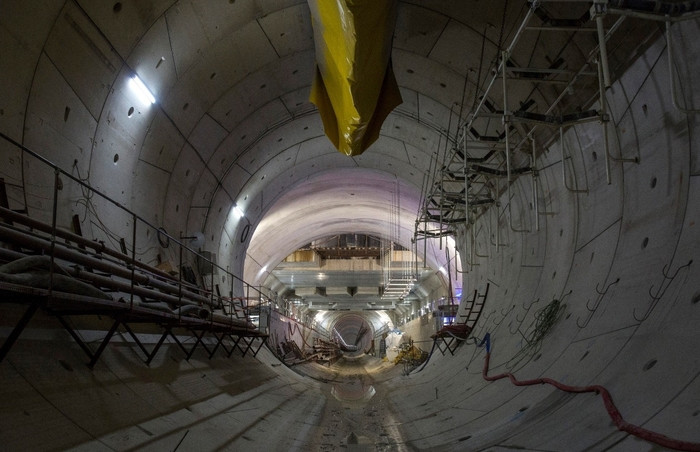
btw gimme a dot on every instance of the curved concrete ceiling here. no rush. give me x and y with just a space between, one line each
332 202
232 126
336 201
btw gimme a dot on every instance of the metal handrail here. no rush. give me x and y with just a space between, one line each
161 280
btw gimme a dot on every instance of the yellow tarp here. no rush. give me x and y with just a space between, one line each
354 87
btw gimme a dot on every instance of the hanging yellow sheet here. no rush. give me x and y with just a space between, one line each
354 87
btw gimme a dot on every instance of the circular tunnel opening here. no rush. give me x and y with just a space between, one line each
354 333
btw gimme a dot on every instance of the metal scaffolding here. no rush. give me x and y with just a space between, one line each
502 136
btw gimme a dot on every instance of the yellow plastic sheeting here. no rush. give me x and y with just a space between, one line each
354 87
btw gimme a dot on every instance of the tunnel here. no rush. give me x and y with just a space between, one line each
187 261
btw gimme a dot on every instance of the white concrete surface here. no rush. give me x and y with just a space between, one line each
232 126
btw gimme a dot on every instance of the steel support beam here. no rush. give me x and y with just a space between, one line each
197 342
17 330
158 345
104 343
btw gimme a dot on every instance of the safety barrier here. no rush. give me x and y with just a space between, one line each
47 266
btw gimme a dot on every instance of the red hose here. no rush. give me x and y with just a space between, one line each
614 413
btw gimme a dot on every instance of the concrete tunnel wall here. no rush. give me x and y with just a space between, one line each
617 258
638 229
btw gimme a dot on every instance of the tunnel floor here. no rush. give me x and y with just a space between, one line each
357 415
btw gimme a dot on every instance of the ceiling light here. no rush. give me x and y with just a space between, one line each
142 92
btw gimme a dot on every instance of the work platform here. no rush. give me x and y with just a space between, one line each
62 306
52 267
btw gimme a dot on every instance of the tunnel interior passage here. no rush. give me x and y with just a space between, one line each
357 412
356 331
546 152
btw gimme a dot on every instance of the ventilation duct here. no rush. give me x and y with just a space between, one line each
354 86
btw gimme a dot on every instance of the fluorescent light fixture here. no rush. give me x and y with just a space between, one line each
237 210
143 93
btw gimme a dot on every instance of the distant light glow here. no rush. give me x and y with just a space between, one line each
142 92
238 211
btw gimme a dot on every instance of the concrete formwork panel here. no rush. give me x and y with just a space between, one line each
58 127
124 24
420 74
91 67
206 137
289 74
425 28
162 143
152 59
289 29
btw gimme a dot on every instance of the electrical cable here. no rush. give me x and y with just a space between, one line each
87 203
612 410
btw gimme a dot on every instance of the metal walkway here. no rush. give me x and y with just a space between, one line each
51 267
